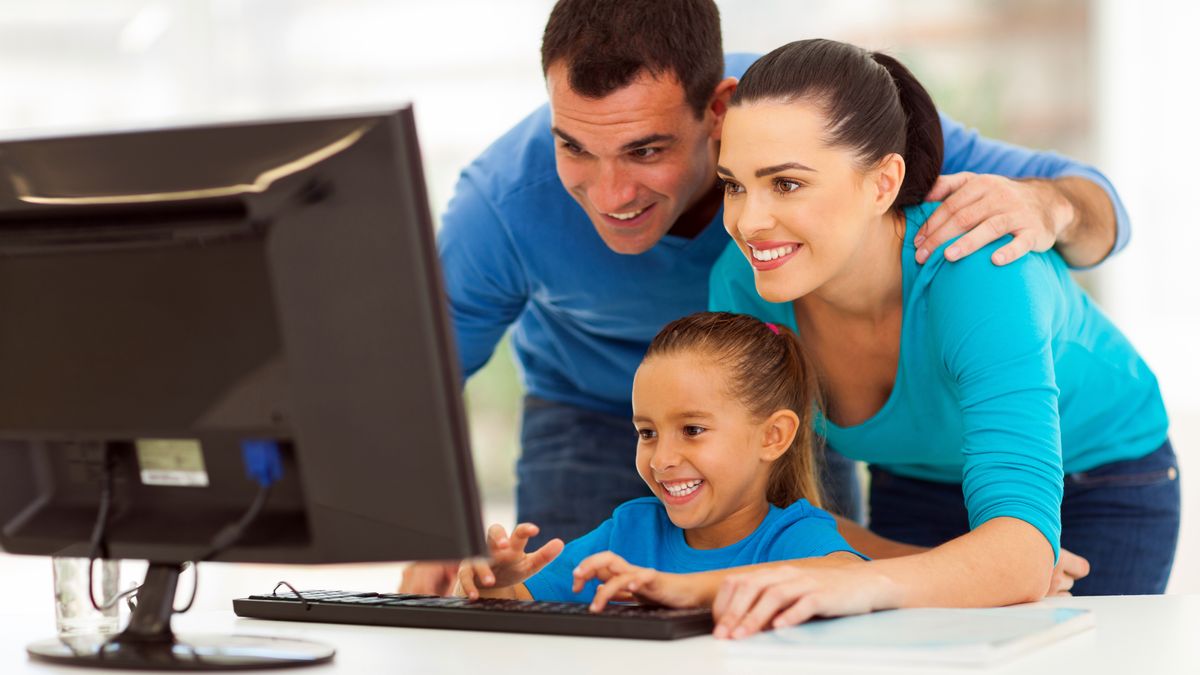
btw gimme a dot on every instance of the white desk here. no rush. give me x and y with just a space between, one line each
1133 635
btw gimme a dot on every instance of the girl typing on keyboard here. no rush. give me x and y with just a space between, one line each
723 407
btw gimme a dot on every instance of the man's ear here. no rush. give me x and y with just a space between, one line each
778 432
718 105
886 179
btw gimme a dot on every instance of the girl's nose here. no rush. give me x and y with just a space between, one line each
665 458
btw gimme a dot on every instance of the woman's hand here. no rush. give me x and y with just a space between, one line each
1069 568
785 596
509 564
623 581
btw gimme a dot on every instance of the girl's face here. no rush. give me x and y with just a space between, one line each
799 209
701 451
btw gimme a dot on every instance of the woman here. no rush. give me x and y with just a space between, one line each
969 388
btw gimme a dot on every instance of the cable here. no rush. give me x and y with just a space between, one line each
99 543
228 536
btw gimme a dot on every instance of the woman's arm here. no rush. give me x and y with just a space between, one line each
872 545
622 580
1002 562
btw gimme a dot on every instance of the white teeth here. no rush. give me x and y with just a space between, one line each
771 253
683 488
626 216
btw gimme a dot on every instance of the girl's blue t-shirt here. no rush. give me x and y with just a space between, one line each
1007 377
641 532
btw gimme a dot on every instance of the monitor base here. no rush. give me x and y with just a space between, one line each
148 643
197 652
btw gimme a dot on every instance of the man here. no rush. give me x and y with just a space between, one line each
596 220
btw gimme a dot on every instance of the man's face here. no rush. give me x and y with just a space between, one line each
636 159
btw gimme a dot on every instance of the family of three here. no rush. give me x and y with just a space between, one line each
881 285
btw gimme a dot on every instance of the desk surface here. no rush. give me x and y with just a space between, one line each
1159 634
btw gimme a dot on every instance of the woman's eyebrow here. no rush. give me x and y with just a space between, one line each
768 170
722 170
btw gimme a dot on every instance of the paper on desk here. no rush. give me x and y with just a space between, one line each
950 636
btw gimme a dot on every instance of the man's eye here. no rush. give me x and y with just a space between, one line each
785 186
693 430
732 188
646 434
571 148
645 153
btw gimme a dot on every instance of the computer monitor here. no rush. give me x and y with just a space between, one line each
191 315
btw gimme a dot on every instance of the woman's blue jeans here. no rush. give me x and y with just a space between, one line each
1123 517
577 465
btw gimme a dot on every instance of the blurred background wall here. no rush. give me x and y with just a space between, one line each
1106 81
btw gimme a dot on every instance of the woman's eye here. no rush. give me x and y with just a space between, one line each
785 186
732 188
646 434
693 430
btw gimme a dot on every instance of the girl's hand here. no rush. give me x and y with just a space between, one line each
785 596
509 564
623 581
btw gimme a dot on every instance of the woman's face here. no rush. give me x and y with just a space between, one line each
798 208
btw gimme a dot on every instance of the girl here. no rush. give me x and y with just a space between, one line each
723 409
970 388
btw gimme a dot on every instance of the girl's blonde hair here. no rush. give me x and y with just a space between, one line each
768 371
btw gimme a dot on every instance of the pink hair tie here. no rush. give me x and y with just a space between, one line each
773 327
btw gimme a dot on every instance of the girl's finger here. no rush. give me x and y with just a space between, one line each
483 572
608 590
497 538
534 562
521 535
466 577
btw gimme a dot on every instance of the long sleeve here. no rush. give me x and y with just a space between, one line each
992 329
485 280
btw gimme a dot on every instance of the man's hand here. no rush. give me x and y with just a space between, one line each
986 207
623 581
1069 568
429 578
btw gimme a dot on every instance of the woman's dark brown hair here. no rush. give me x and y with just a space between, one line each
767 371
872 105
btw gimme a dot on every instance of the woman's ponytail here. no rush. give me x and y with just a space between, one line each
923 147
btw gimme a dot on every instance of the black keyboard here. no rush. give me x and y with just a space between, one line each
514 616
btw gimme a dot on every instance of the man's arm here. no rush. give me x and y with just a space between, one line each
486 284
1041 198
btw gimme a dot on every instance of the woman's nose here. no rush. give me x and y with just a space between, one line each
755 217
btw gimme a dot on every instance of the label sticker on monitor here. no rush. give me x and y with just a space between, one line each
169 461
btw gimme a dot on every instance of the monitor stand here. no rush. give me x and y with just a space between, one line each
147 643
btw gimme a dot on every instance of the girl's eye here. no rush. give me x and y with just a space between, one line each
732 188
785 186
646 153
693 430
646 434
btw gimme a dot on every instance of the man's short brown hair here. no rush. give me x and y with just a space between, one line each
606 43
